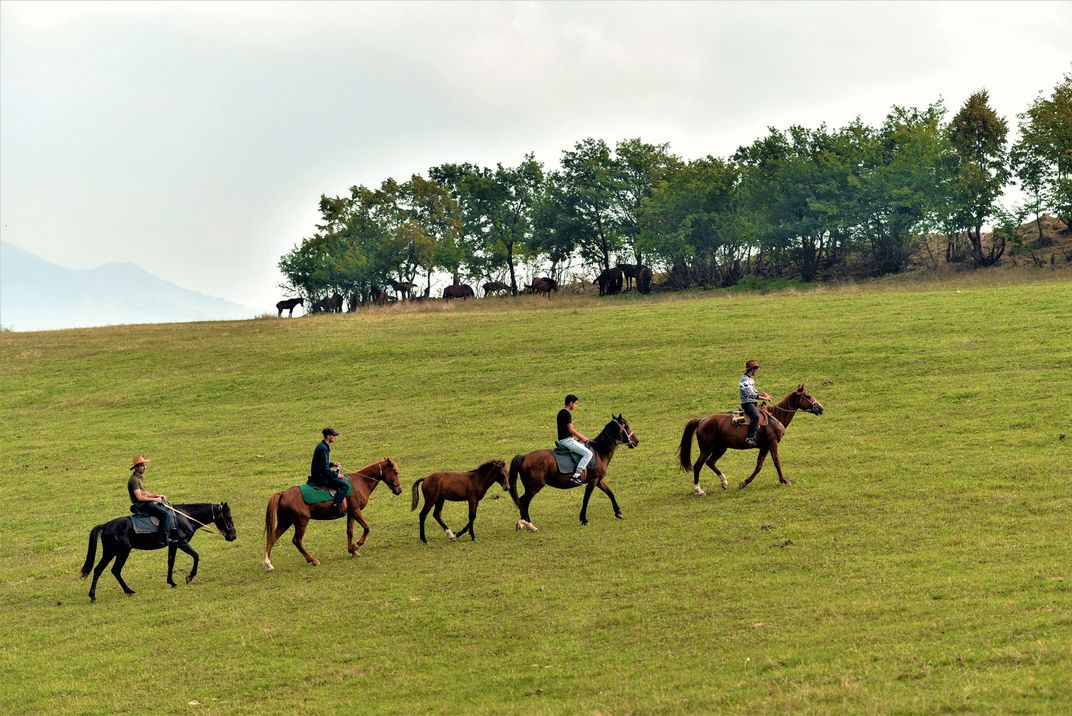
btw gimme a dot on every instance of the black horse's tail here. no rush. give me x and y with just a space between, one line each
416 499
91 552
684 453
515 470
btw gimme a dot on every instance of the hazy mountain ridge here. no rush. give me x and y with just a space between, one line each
39 295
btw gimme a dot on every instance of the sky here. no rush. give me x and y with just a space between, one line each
195 139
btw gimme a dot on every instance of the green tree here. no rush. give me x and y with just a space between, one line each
1042 157
639 166
586 192
978 136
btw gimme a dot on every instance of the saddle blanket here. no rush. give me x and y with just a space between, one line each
567 461
313 494
145 524
739 417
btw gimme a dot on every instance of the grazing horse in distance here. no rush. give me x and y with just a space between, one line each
379 296
643 279
716 433
288 508
118 538
458 291
495 287
352 301
630 273
334 303
610 282
540 468
542 285
402 290
288 305
458 487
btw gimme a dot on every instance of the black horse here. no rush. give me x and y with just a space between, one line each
118 538
288 305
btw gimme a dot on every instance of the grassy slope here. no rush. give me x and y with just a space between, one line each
919 563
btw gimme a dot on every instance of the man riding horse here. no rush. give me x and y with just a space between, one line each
749 397
325 473
570 439
150 503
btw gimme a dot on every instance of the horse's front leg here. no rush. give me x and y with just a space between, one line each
171 565
778 464
117 570
185 547
759 466
613 502
365 529
588 487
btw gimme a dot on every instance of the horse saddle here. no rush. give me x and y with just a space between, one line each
567 461
739 417
314 493
144 524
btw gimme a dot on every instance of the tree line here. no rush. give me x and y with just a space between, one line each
809 204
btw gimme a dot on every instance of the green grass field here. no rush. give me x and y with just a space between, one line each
920 563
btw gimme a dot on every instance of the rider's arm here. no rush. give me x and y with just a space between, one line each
576 434
143 496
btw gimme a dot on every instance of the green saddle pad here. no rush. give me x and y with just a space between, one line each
313 494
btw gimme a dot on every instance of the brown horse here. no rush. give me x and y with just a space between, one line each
716 433
463 290
458 487
495 287
287 508
539 469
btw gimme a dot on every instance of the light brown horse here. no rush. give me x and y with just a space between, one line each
287 508
539 469
458 487
716 433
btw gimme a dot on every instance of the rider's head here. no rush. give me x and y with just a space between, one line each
571 401
751 367
329 435
139 464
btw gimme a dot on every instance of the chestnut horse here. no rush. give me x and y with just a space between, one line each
716 433
458 487
288 508
539 468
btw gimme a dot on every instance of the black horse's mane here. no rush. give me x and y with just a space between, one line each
605 441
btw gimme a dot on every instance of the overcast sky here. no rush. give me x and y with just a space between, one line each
195 139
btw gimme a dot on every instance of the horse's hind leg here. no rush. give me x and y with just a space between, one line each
759 466
299 532
613 502
523 506
424 514
437 513
584 504
171 565
117 570
282 525
106 556
710 462
696 467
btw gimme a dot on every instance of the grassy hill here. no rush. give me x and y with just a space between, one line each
919 563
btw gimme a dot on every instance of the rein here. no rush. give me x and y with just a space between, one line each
210 528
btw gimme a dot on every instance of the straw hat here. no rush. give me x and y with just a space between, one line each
139 460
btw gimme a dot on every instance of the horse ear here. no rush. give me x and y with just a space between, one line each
800 387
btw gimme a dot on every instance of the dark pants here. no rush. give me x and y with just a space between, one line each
340 485
166 516
753 413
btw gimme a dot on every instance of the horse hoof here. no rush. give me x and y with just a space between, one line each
741 486
315 562
619 515
700 492
189 578
173 585
725 484
268 567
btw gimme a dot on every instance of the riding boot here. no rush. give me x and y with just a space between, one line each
576 479
750 441
339 510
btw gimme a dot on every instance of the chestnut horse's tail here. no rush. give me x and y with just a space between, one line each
684 453
416 499
515 471
91 552
270 515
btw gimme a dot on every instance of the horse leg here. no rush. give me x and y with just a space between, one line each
171 565
710 462
472 518
117 570
437 513
778 463
759 465
696 467
299 531
185 547
613 502
282 525
365 529
525 499
424 513
589 486
107 554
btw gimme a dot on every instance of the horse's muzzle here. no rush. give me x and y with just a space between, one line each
397 490
817 410
231 537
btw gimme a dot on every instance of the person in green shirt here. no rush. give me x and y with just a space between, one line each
150 503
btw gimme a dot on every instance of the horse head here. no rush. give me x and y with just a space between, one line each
221 518
497 469
626 435
802 400
389 469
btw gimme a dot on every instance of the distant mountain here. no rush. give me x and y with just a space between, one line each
38 295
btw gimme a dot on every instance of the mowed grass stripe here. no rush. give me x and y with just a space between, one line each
918 563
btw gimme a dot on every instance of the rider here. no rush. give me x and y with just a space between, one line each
325 473
571 440
149 502
749 396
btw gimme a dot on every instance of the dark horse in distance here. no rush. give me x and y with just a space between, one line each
468 487
539 469
458 291
288 305
118 538
716 433
288 508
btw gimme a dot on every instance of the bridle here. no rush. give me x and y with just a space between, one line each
379 476
630 437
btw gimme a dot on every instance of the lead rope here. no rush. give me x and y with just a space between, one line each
210 528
